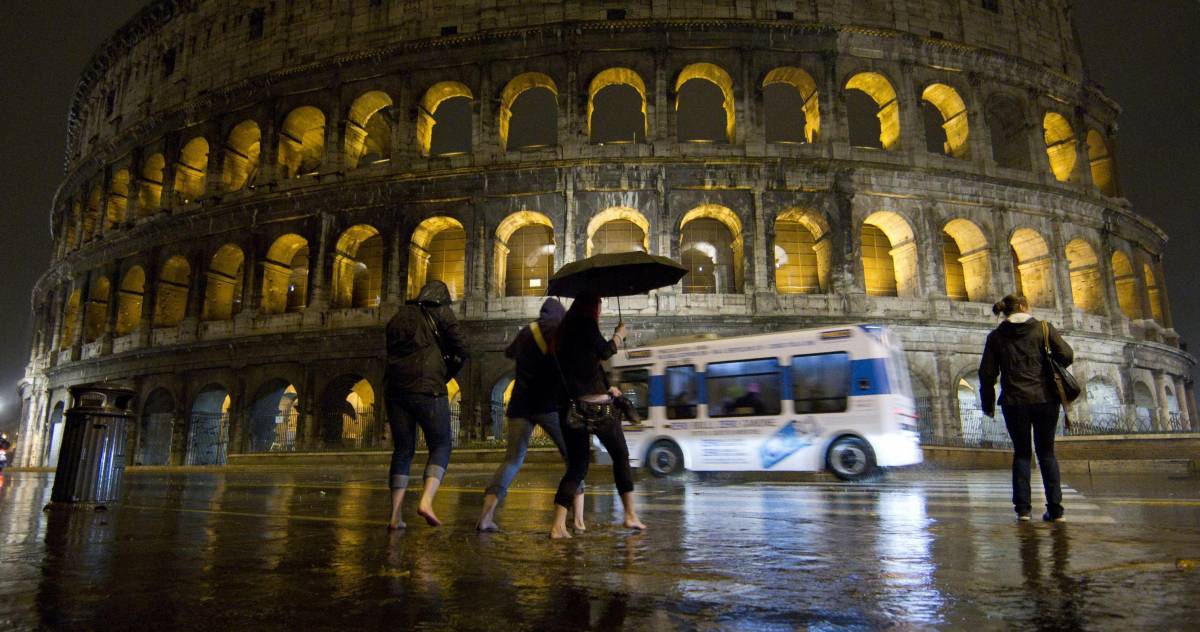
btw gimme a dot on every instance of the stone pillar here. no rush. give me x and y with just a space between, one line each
318 269
664 135
1083 162
567 252
929 237
1185 412
1164 411
252 278
1061 274
835 129
114 302
845 261
392 269
1039 161
980 140
149 298
762 263
333 159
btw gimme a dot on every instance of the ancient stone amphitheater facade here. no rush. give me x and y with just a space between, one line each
252 188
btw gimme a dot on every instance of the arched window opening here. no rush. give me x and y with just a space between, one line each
70 316
96 318
1126 283
151 184
91 217
966 257
618 229
157 429
1009 135
225 281
1033 267
191 170
347 417
438 252
946 127
301 142
1086 289
883 106
889 255
704 106
118 200
242 150
172 292
1153 296
444 120
973 428
208 426
71 230
529 112
802 252
369 130
530 261
711 250
358 268
617 107
274 418
792 109
956 283
1103 173
1060 145
285 276
1104 406
1145 408
129 301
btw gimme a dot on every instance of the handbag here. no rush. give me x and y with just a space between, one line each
587 416
1065 383
452 363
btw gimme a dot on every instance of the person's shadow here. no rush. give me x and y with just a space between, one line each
1057 599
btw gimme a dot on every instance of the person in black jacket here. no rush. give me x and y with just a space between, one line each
425 350
1014 352
580 348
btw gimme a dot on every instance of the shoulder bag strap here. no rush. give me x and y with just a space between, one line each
539 339
433 329
1054 374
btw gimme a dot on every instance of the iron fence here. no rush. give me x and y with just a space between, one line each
208 439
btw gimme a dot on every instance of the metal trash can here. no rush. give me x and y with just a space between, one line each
91 461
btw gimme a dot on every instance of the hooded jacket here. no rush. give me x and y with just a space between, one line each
537 380
415 363
1013 352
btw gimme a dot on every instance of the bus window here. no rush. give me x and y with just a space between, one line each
635 385
681 392
743 388
821 382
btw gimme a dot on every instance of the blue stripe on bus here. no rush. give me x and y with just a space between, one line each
658 390
869 377
785 383
701 388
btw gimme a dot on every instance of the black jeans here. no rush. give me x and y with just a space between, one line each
579 447
406 411
1042 419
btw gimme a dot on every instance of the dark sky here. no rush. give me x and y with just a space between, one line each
1146 58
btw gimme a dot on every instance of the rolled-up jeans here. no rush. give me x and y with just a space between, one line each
406 411
520 429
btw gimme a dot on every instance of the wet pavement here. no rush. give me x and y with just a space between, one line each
308 549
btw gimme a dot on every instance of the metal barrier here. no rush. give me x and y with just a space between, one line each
208 439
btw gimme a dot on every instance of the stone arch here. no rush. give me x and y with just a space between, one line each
618 229
802 252
797 79
368 130
1153 294
54 432
1126 284
1104 175
156 428
243 147
500 394
717 76
71 230
91 216
346 418
171 294
1145 407
226 277
437 252
208 426
1033 266
517 87
711 249
285 275
191 170
96 317
70 316
877 86
953 112
151 184
301 142
118 199
129 300
358 267
1008 131
1060 145
274 417
974 429
1104 405
429 140
620 121
524 254
889 255
966 256
1087 291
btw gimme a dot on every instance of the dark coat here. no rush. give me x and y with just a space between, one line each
538 384
1013 352
415 364
581 348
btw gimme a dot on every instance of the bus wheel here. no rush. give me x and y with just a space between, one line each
850 459
664 458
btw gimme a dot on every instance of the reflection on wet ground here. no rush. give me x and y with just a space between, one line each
308 548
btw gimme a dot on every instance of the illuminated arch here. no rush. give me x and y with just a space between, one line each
616 77
967 258
889 255
629 240
1033 267
1008 132
804 84
427 112
191 170
1086 289
129 301
118 199
347 412
515 88
225 280
1153 294
1104 405
171 295
285 275
91 216
437 252
954 117
1103 173
243 147
1060 145
802 252
151 184
524 258
274 417
96 318
711 249
883 94
358 267
301 142
70 315
718 77
368 130
1126 283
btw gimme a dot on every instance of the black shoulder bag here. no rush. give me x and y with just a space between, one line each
1065 384
452 363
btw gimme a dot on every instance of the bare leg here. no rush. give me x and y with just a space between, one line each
487 519
559 530
397 502
425 508
631 518
577 509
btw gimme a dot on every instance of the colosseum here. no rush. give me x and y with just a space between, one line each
252 188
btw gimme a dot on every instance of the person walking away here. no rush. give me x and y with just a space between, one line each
425 350
1028 398
580 349
534 402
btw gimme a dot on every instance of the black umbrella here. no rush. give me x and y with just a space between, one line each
616 274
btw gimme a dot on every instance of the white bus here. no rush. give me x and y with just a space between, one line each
836 398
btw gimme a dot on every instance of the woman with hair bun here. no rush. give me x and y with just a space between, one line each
1028 398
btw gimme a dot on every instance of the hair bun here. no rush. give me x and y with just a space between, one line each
998 307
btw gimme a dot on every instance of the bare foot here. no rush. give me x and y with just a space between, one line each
580 526
396 526
428 515
560 533
632 522
487 526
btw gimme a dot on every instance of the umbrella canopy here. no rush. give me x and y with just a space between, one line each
616 274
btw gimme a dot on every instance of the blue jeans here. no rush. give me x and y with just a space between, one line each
519 431
406 411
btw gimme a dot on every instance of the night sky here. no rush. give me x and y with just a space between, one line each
1147 59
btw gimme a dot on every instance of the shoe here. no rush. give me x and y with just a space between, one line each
1023 517
1046 517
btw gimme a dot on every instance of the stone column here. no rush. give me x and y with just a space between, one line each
318 298
149 298
1164 411
1185 411
844 263
664 135
835 130
1062 275
392 269
567 250
114 302
929 237
762 263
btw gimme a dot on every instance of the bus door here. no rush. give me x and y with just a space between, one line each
745 406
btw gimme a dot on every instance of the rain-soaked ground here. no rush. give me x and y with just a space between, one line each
307 549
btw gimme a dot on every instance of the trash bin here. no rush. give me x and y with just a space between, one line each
92 458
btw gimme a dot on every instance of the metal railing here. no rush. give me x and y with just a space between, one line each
208 439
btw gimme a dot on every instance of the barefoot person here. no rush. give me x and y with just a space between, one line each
424 350
534 402
580 348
